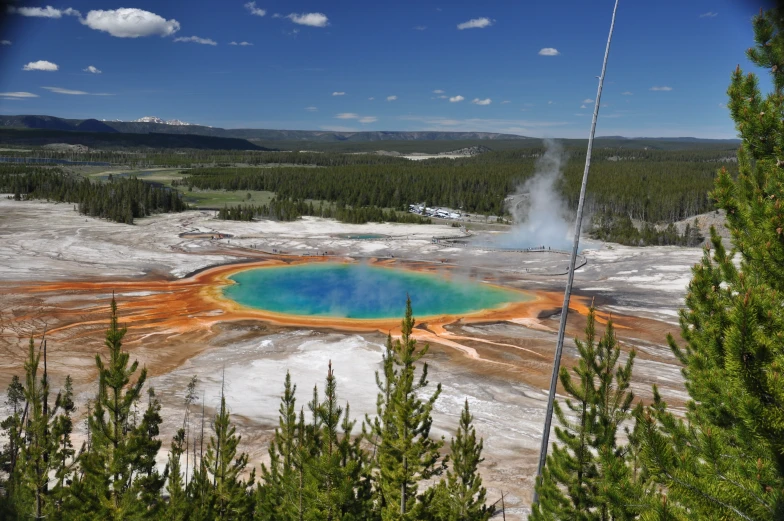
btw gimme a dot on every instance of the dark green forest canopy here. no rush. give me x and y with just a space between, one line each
120 199
650 185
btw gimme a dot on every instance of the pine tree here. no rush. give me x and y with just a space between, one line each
726 460
119 480
178 507
227 496
586 475
405 453
461 496
277 497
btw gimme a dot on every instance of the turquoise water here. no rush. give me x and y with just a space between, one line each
361 292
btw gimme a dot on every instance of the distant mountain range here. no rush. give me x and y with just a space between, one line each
150 124
266 139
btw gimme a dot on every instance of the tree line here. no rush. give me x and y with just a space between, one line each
120 199
290 210
321 466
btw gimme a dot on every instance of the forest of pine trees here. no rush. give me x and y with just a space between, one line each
120 199
321 465
289 210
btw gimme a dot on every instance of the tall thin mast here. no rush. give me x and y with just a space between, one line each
568 293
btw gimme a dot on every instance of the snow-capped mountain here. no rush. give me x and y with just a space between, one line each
153 119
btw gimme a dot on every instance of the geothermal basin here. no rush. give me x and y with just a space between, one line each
362 291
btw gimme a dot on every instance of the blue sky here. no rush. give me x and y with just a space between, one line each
522 67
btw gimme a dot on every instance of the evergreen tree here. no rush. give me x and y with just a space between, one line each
178 507
12 433
461 496
726 460
586 476
278 495
119 479
405 453
227 495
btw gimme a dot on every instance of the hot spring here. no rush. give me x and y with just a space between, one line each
356 291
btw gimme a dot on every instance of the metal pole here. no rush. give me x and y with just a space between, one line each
568 293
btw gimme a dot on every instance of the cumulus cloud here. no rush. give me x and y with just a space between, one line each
391 98
438 91
196 39
241 44
475 23
40 65
5 42
18 95
311 19
662 88
92 69
368 119
252 9
478 101
43 12
311 109
587 100
347 115
336 93
548 51
583 107
130 23
627 93
709 14
455 99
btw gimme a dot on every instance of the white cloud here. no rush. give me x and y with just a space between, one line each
311 109
583 107
58 90
371 98
455 99
338 93
251 7
443 96
478 101
368 119
18 95
662 88
505 102
475 23
587 100
43 12
5 42
196 39
551 103
311 19
627 93
130 23
722 106
438 91
420 28
548 51
40 65
241 44
92 69
391 98
709 14
347 115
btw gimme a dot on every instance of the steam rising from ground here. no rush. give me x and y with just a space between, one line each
541 217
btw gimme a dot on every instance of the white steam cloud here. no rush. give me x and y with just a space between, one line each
541 216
